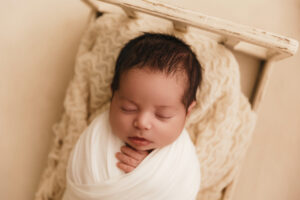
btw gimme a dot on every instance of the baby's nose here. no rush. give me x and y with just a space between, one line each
142 122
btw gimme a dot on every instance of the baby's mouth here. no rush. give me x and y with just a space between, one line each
139 141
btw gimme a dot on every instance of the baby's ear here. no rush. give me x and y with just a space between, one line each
190 108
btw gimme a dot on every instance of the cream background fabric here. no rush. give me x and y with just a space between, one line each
220 126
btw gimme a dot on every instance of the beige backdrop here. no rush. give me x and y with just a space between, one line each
38 43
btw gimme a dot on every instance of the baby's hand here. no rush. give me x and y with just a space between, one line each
130 158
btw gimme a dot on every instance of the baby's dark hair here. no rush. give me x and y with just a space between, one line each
160 52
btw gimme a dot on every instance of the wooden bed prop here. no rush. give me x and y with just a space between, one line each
265 46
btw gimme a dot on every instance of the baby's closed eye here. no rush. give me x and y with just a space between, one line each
163 116
128 109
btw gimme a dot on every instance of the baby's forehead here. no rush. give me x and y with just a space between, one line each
180 77
179 74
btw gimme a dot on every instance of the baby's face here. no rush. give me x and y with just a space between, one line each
146 111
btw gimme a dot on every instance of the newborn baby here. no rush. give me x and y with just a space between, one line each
139 149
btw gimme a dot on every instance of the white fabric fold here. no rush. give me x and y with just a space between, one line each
171 172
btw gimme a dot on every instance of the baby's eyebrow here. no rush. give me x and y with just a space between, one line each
162 107
124 98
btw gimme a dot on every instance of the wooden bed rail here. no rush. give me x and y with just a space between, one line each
252 41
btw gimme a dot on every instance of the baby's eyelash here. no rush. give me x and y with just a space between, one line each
128 110
163 117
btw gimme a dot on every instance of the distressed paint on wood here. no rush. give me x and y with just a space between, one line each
283 46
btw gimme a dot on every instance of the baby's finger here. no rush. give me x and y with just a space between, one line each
143 152
125 168
127 159
137 155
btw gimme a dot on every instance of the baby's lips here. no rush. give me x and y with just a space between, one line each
139 141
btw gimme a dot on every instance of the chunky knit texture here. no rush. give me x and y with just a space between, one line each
220 125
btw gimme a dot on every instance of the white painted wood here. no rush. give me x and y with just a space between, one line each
252 50
283 46
180 26
262 84
231 42
130 12
91 4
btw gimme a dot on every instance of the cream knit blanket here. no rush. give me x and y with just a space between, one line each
220 126
92 173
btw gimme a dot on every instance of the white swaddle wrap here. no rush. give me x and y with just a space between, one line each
172 172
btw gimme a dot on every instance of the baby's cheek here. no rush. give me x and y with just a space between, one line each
168 134
175 130
124 123
116 123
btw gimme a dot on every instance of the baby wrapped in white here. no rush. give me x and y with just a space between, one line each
168 173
